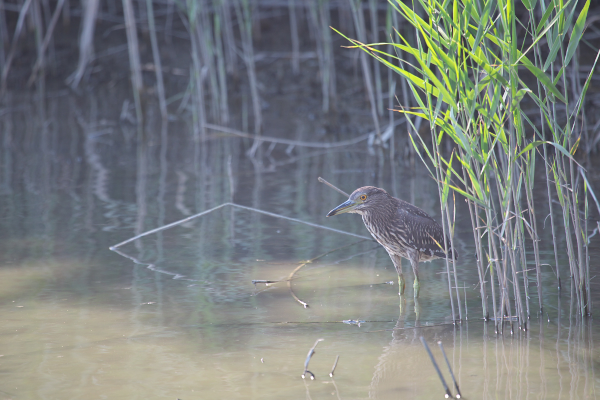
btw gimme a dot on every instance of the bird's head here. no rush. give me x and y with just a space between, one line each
362 200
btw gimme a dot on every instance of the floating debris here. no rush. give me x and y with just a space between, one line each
257 281
334 365
354 322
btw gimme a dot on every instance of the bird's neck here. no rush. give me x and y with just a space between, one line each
382 216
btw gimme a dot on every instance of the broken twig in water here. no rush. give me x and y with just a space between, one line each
334 365
458 395
289 284
302 264
289 279
332 186
257 281
448 393
311 352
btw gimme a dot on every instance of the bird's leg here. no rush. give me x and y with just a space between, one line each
398 264
414 262
417 312
399 327
401 284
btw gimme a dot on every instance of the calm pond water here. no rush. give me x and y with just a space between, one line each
178 317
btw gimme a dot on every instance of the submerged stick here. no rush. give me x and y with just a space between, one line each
333 187
289 284
257 281
160 84
311 352
458 395
334 365
448 393
291 276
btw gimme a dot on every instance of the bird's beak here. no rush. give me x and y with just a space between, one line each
345 207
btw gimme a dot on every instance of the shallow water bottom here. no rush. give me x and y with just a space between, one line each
143 334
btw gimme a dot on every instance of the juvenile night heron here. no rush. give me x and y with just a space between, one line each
401 228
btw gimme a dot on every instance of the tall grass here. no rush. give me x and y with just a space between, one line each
470 76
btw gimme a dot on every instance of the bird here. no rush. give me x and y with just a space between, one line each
404 230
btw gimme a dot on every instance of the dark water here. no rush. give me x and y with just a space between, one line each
185 320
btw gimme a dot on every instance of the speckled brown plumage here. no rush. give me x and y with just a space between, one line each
402 229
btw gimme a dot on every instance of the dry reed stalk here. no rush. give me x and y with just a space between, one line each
229 40
36 15
244 17
46 41
547 163
530 173
135 65
447 228
160 86
206 40
376 66
66 13
86 42
220 65
325 19
359 24
13 48
197 81
4 36
46 13
320 23
294 37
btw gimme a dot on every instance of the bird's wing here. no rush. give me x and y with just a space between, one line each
416 211
422 232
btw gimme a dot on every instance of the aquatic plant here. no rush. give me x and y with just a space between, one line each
473 66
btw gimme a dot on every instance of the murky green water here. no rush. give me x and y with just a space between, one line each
185 320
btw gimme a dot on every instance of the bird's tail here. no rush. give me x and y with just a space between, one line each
454 254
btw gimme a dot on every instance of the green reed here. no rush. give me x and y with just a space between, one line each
469 74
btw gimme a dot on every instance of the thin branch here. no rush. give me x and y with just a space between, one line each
334 366
291 276
333 187
448 393
311 352
458 395
182 221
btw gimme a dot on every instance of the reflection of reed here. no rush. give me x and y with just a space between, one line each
100 175
492 367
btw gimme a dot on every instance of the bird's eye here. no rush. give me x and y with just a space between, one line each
363 197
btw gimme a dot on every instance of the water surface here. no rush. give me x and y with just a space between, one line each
181 318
